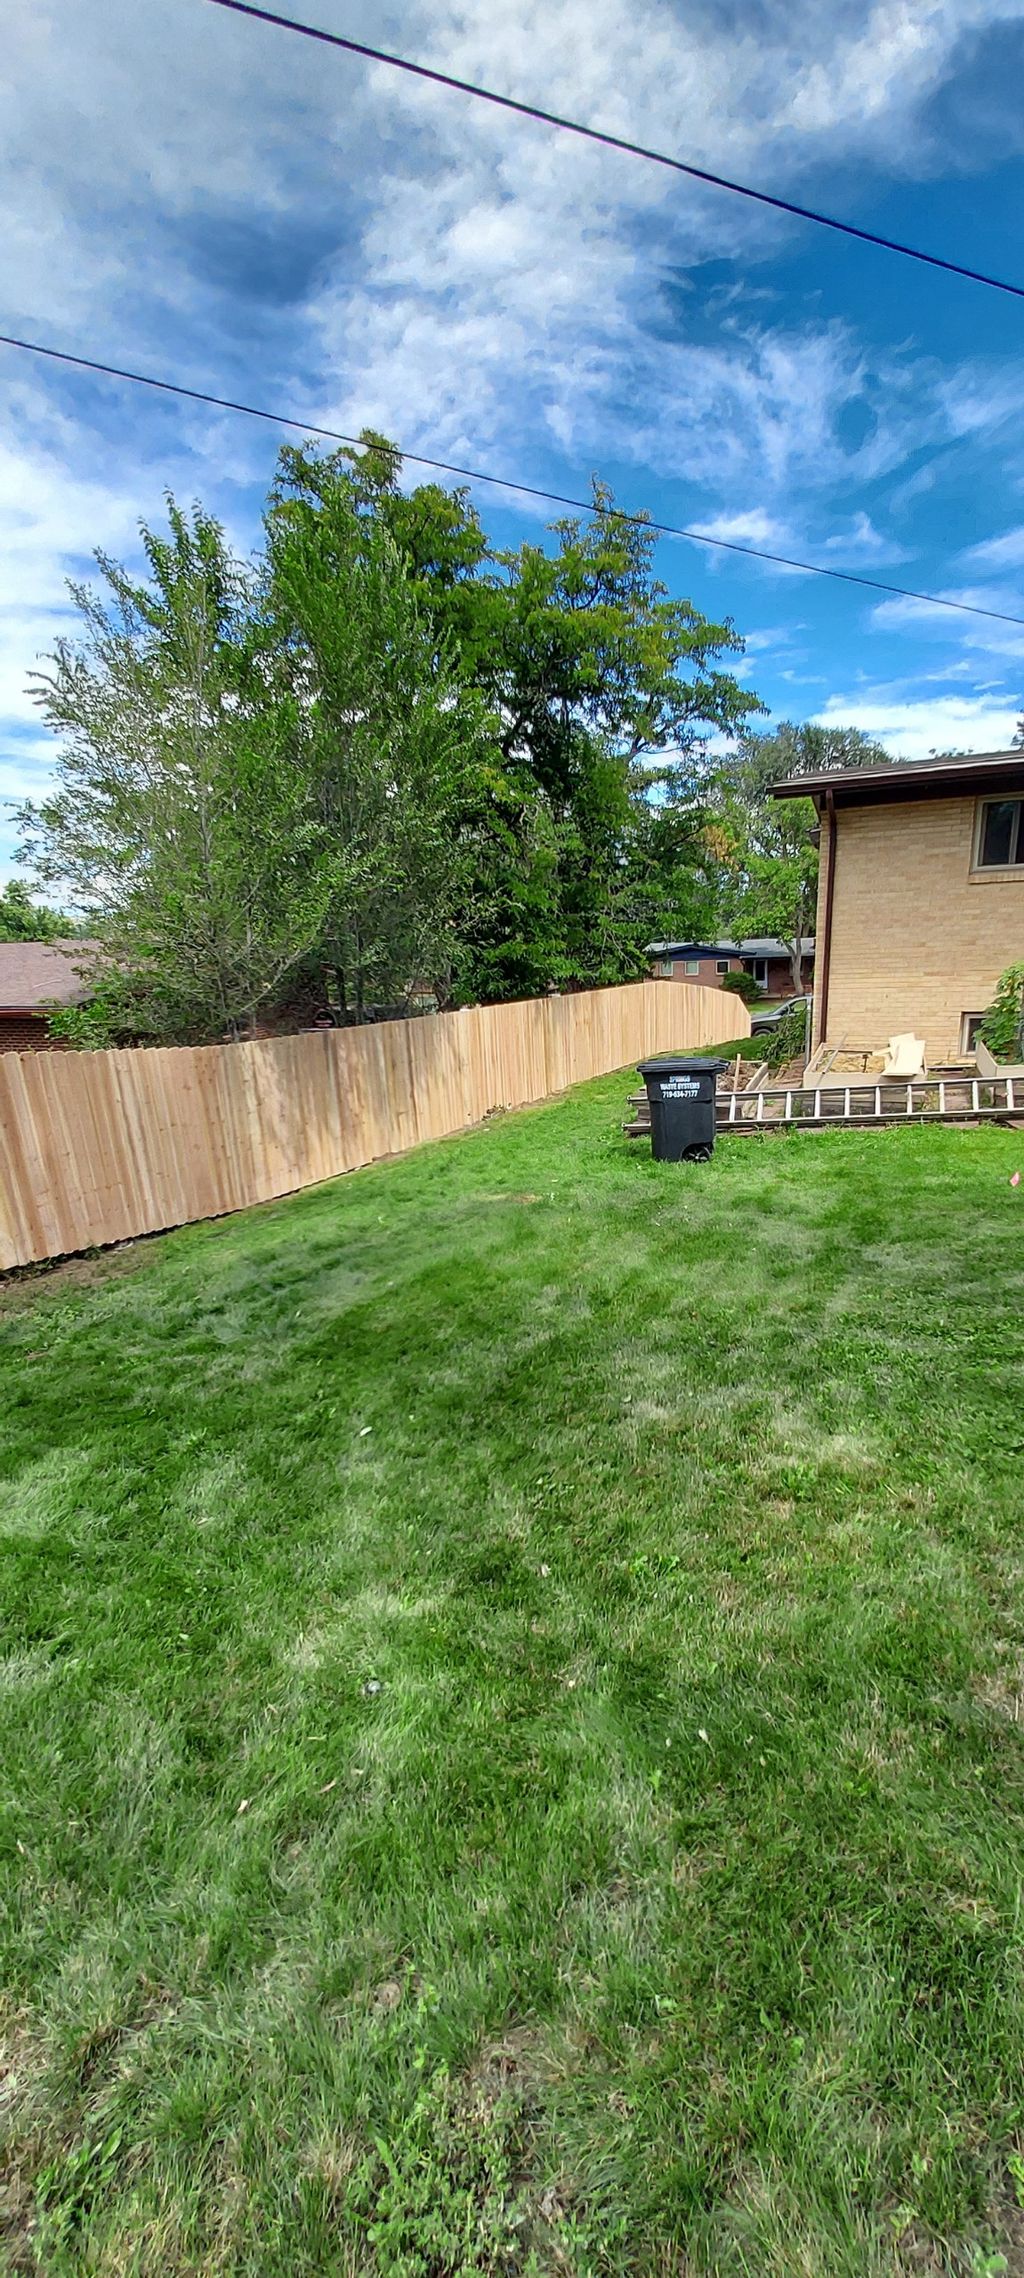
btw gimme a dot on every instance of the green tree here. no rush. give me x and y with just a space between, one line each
177 820
22 919
602 692
384 756
814 749
769 846
256 793
390 747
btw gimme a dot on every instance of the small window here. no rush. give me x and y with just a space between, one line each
666 968
970 1022
692 965
1000 834
723 965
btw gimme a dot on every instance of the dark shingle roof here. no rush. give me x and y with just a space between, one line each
907 779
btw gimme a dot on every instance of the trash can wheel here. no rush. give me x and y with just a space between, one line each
700 1154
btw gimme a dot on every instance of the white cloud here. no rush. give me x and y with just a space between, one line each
911 728
1003 553
772 638
891 59
50 521
749 528
976 400
994 635
861 543
199 194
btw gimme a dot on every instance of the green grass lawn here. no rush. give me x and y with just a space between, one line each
511 1676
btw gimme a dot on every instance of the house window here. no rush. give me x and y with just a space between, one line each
1000 834
722 965
970 1022
666 968
692 965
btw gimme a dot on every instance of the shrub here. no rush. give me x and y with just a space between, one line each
1003 1026
742 985
788 1040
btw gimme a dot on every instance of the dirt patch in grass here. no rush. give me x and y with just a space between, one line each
17 2203
1002 1690
22 1286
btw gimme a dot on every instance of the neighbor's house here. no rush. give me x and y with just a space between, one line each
920 897
33 976
766 960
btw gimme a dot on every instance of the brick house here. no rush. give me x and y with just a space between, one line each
707 962
920 897
33 976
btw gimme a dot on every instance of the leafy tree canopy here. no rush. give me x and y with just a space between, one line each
382 757
603 692
22 919
769 847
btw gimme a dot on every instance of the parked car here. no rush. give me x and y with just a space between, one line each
772 1014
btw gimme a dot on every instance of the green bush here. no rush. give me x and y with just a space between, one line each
788 1040
742 985
1003 1026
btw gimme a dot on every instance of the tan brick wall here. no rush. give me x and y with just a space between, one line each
817 1022
918 938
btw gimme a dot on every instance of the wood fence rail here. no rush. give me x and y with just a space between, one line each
97 1147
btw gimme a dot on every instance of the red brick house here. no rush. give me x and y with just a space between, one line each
707 962
33 976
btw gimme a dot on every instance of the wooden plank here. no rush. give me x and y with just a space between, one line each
30 1205
964 1119
100 1146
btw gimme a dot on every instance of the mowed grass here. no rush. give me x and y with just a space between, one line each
510 1691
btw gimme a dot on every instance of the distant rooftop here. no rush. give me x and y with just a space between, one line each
38 973
906 779
766 945
757 945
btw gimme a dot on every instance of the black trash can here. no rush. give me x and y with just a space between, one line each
681 1094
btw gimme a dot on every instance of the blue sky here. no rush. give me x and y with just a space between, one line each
201 196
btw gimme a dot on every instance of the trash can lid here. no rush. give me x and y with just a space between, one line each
674 1064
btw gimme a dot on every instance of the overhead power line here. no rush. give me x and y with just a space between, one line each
617 142
500 482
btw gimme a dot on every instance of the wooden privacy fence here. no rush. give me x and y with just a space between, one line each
100 1146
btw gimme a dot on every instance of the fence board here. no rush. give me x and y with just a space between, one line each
97 1147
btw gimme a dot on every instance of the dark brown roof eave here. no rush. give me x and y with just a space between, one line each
975 774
